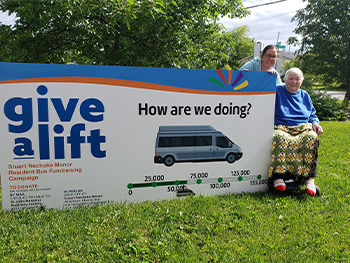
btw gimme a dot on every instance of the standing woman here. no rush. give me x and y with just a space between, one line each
295 138
265 63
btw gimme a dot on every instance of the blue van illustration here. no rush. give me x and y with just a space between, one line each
197 143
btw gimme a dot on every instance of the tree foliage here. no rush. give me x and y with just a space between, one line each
325 29
242 47
157 33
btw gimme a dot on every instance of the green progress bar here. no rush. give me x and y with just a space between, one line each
154 184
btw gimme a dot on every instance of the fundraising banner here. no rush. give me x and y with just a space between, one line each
77 135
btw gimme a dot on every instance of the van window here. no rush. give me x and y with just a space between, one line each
188 141
204 141
164 142
185 141
181 141
222 142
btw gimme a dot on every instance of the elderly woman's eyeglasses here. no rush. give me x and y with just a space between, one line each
271 56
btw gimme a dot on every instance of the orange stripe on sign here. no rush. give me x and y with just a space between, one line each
129 83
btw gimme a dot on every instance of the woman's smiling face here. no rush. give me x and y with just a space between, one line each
268 60
293 82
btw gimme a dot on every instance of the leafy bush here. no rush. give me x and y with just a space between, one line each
327 108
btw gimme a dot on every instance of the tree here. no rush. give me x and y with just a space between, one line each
290 64
242 47
157 33
325 29
5 32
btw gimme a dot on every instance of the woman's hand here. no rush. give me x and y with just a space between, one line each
272 71
317 128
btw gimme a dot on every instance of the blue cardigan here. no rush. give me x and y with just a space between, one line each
293 109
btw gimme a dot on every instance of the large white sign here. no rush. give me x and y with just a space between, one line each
75 135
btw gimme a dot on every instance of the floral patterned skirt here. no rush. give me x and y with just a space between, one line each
294 151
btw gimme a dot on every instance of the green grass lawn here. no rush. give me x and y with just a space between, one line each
254 227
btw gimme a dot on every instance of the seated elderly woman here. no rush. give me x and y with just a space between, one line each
296 130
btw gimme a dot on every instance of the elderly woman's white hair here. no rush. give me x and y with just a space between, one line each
295 71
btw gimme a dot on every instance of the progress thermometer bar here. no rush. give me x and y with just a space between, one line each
195 181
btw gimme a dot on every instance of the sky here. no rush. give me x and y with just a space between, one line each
267 23
270 22
6 19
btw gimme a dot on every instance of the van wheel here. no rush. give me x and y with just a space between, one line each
231 158
169 160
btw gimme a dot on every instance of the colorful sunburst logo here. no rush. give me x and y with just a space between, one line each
228 82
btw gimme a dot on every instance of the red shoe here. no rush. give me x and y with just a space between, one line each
310 187
279 185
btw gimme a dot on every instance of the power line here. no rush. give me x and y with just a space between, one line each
265 4
268 18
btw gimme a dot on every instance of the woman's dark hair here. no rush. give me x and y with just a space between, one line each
269 47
